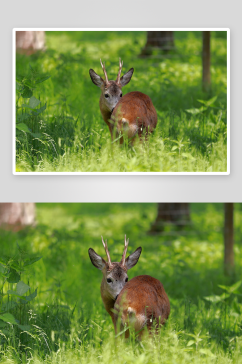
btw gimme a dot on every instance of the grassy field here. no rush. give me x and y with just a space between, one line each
59 124
65 322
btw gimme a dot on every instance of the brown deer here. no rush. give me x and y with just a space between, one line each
133 114
141 302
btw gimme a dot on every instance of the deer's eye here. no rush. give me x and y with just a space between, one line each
106 95
109 280
126 280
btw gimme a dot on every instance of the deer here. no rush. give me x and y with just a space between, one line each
132 114
140 302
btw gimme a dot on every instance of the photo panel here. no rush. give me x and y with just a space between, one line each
121 101
152 279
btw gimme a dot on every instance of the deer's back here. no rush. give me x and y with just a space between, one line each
144 297
137 108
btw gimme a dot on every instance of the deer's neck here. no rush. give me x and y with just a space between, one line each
108 301
106 113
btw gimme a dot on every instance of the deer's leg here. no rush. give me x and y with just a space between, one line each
110 126
126 334
114 324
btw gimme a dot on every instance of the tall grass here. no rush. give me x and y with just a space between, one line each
67 321
65 130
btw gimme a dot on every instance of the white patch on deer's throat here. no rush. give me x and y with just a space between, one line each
131 310
129 129
138 320
124 121
133 129
132 315
142 320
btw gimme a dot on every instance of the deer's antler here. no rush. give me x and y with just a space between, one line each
107 252
126 243
104 71
119 71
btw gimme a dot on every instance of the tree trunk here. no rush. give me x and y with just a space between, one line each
176 214
206 62
228 238
30 42
163 40
15 216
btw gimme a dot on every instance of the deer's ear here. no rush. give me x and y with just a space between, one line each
97 80
133 258
126 77
96 260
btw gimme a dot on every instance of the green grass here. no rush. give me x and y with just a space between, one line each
67 321
69 134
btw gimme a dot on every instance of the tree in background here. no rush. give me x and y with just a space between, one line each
228 238
206 80
16 216
176 214
30 42
162 40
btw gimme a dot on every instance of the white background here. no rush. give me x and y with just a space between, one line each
126 14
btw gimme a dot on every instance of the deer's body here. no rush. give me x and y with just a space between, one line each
141 302
132 114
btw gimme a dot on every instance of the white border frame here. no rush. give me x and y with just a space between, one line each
120 173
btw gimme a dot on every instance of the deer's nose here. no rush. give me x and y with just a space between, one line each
112 109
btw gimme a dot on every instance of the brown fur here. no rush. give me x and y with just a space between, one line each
145 299
138 109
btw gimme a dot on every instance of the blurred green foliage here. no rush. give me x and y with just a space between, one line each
68 320
70 135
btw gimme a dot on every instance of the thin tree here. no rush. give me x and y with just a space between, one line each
228 238
162 40
176 214
206 80
16 216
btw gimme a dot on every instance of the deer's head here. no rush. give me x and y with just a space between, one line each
114 273
111 90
